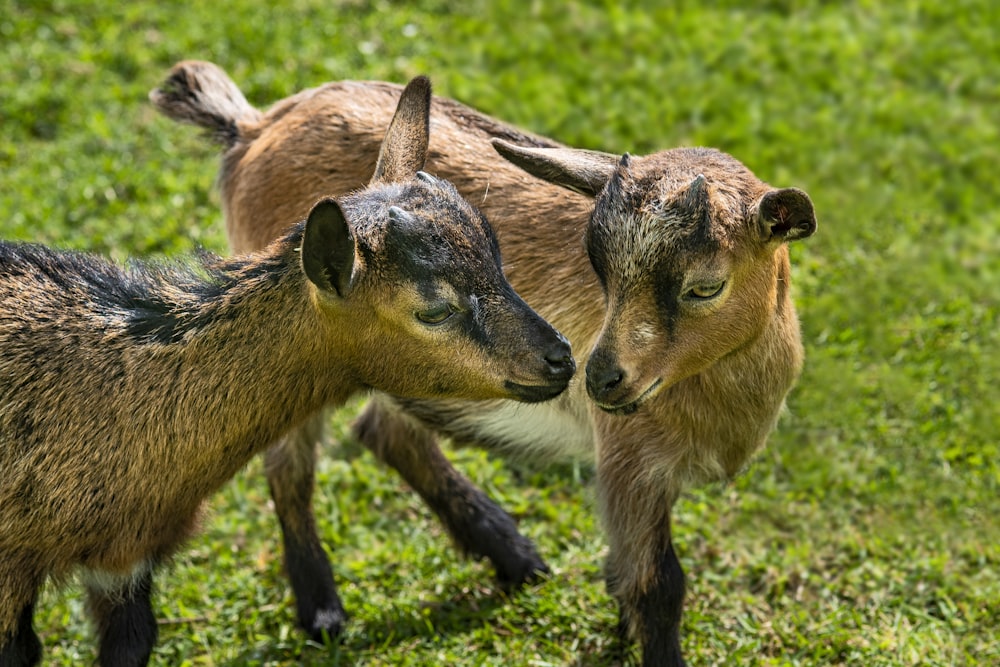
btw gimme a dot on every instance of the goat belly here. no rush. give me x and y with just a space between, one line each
555 430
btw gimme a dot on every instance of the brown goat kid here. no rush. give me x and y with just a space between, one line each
676 278
129 395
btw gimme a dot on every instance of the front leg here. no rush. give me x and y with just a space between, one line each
123 615
290 467
643 572
19 584
21 648
658 611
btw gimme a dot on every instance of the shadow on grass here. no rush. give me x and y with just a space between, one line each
395 628
424 628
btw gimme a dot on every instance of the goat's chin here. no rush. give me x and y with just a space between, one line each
526 393
629 407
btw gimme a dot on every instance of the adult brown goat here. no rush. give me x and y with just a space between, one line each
676 278
129 395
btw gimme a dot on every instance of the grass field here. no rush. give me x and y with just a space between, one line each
867 533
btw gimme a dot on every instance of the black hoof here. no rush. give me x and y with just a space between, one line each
520 570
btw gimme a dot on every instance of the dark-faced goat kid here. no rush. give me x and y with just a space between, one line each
128 395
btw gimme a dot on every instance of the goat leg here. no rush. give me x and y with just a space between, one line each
478 526
19 645
290 467
126 626
643 572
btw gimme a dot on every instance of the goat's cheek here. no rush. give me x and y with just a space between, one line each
702 340
689 355
393 357
461 368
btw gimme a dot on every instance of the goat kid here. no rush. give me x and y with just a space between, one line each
672 269
129 395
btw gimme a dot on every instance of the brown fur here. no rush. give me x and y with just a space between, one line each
690 387
132 394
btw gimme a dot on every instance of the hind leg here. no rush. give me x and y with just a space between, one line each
477 525
291 466
122 610
19 645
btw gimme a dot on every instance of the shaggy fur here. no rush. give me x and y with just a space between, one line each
130 394
670 269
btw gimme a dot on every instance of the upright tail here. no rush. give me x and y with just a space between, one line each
201 93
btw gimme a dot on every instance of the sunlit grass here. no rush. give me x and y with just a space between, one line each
866 534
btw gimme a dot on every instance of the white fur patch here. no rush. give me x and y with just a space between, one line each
552 430
114 584
644 334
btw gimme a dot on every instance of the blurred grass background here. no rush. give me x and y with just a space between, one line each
866 534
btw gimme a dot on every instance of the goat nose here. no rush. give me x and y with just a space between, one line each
560 359
603 379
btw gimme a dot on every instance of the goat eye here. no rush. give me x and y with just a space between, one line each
706 291
435 315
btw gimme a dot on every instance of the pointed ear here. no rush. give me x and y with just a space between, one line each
328 248
404 149
786 215
575 169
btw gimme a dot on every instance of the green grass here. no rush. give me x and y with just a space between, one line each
867 534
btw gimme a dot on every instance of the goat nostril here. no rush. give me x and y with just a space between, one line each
613 379
560 358
605 380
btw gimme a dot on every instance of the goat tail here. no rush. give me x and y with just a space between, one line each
201 93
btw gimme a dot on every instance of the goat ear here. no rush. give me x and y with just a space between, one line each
328 248
575 169
786 215
404 149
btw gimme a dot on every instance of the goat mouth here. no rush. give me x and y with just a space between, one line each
632 406
528 393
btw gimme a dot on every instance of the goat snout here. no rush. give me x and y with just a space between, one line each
610 385
553 373
604 378
559 358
